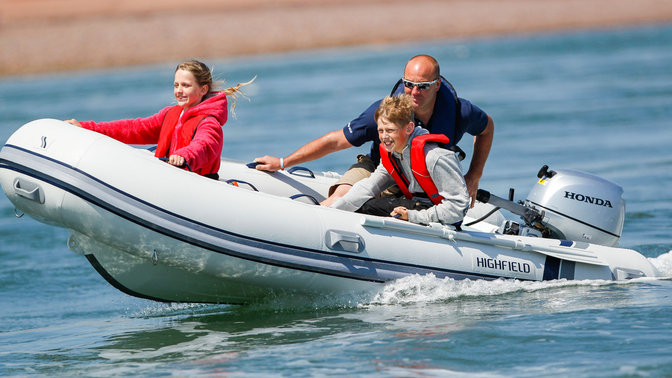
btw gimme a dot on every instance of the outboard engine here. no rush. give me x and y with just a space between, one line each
579 206
568 204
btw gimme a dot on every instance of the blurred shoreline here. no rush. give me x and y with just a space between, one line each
39 36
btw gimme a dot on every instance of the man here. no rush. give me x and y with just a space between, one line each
429 177
437 109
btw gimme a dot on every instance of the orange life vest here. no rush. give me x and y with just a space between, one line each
418 167
168 127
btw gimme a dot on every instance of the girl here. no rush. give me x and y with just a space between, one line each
188 133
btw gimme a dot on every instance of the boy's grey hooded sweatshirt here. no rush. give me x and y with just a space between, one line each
443 167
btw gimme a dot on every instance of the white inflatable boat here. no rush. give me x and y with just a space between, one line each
166 234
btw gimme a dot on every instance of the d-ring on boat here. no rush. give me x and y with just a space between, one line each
166 234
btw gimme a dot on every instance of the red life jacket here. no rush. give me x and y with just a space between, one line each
168 126
418 167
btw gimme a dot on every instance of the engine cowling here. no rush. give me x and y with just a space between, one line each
579 206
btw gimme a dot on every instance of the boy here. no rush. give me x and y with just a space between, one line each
429 177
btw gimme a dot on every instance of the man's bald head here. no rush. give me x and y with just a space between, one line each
423 65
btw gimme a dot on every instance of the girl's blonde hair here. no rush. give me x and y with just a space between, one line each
203 75
396 109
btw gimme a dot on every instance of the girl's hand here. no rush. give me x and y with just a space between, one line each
74 122
176 160
400 212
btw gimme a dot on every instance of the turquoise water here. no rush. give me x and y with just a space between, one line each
595 101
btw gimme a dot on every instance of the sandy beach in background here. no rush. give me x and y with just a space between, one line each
54 35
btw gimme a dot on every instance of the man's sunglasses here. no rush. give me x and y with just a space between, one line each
421 86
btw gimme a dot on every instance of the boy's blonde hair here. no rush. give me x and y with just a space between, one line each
396 109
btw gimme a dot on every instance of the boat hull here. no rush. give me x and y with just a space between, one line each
166 234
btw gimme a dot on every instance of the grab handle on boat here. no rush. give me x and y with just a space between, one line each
307 172
301 195
344 241
301 169
29 190
236 182
185 165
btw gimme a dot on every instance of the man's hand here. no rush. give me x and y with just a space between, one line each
472 187
482 145
330 142
268 163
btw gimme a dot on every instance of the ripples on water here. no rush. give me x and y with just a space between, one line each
600 102
417 326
